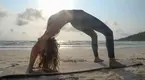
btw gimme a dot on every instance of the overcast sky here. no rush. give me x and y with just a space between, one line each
26 19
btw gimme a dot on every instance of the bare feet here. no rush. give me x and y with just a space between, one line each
114 64
49 70
97 60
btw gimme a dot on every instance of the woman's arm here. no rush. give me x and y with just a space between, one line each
51 32
33 56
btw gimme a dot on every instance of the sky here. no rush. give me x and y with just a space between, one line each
26 19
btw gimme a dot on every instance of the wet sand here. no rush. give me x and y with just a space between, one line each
14 58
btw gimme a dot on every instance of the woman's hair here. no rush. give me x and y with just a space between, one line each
49 58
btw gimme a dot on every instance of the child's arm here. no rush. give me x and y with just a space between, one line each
34 52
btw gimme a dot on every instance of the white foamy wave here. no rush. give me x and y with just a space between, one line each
29 44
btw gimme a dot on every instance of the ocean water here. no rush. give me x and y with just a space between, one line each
6 45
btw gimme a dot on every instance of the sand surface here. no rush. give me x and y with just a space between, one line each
14 58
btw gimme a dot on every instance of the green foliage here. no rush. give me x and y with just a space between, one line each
136 37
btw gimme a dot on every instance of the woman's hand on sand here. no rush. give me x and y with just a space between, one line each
29 71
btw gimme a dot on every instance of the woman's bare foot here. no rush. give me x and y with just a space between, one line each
97 60
49 70
114 64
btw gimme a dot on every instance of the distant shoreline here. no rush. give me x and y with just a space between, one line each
136 37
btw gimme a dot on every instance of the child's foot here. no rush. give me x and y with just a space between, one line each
97 60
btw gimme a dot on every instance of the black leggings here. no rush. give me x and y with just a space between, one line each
109 41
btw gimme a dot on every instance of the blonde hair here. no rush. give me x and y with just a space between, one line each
49 58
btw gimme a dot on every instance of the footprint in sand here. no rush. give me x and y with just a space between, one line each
14 64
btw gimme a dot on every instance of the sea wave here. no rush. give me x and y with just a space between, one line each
29 44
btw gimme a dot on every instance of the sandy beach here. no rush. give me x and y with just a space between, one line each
14 58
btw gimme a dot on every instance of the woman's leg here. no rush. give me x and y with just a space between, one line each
94 43
107 32
110 45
